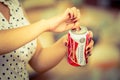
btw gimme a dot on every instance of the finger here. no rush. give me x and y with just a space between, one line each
89 54
77 16
77 24
74 20
91 34
69 26
67 14
70 14
74 10
89 50
90 45
77 20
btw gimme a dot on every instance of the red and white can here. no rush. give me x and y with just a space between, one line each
77 42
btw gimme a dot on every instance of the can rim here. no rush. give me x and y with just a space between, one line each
82 30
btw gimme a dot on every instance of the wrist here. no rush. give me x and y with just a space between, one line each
54 22
44 25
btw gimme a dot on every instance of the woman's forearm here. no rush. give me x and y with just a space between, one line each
49 57
14 38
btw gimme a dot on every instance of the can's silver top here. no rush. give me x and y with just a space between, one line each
80 30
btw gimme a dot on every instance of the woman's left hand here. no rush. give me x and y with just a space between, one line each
90 45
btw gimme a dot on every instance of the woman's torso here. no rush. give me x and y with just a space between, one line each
13 64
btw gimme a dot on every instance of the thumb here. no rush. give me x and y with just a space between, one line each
66 14
91 34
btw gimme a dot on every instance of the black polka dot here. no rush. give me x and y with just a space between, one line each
24 73
22 18
16 10
3 19
13 17
14 51
14 76
11 73
22 60
10 3
26 55
8 78
31 52
21 75
3 64
31 43
28 48
21 68
3 56
18 56
13 59
10 14
7 60
8 27
3 73
10 64
16 63
17 19
11 55
14 69
7 69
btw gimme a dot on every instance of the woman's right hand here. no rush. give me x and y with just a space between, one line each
68 20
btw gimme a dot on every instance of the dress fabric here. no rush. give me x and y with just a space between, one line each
13 64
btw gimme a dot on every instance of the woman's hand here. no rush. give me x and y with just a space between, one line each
90 45
68 20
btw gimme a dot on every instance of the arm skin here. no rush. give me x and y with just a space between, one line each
14 38
46 58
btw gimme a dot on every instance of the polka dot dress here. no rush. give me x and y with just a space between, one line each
13 64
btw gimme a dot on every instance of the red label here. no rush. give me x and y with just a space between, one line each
72 47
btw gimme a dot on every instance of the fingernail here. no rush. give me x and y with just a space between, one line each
65 43
73 29
90 39
88 53
69 15
88 48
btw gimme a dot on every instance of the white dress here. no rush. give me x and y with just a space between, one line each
13 64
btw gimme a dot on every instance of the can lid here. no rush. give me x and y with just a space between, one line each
80 30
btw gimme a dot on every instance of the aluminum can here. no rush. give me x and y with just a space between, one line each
77 42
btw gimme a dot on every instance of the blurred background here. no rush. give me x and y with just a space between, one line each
100 16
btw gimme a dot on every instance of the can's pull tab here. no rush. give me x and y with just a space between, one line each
76 29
